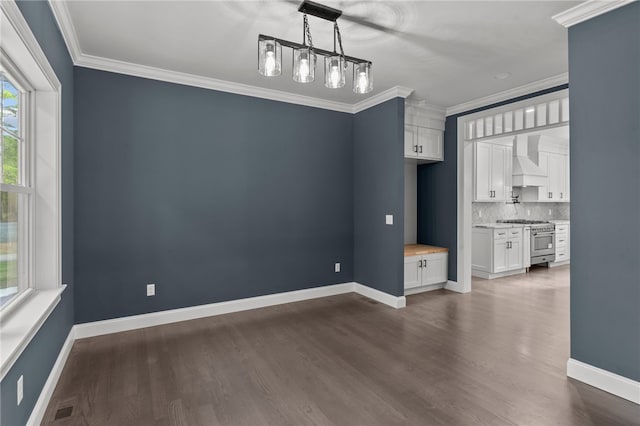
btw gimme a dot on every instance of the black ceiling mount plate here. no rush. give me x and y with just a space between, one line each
319 10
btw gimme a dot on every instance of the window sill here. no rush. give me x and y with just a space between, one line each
18 326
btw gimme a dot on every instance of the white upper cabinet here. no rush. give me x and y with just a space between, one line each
423 133
423 143
492 172
553 159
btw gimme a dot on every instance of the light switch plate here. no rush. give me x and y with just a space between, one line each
151 289
389 219
337 267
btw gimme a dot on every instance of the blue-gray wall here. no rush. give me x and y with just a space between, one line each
378 144
212 196
438 188
604 70
37 359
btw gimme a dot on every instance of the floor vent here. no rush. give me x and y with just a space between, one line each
63 412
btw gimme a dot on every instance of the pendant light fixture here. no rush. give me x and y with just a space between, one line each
305 54
269 58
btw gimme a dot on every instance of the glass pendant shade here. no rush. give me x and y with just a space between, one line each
269 58
362 78
304 65
334 71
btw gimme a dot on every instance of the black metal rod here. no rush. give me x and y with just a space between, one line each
322 52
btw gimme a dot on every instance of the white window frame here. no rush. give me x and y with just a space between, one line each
25 187
24 315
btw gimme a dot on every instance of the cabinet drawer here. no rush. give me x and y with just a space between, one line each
562 228
561 256
515 232
500 234
562 241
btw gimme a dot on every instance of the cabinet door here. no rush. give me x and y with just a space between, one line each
514 254
544 192
410 141
430 144
434 269
564 178
499 169
500 256
482 183
412 271
556 176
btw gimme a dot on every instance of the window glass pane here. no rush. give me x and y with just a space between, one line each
8 246
508 121
9 103
488 126
497 124
480 128
10 159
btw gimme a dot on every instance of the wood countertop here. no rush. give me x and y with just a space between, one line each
418 249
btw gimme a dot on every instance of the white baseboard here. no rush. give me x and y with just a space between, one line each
37 414
133 322
604 380
456 286
380 296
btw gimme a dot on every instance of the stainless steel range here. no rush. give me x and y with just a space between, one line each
543 248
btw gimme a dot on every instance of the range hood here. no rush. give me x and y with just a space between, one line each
525 171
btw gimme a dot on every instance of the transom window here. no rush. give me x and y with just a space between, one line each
15 190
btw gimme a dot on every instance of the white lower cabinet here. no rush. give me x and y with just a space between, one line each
562 243
496 251
425 270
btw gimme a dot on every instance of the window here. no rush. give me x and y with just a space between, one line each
15 190
30 226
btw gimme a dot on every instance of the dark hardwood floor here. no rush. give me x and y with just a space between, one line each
495 356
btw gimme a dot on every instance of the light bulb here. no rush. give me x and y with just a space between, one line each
363 82
335 76
304 69
270 63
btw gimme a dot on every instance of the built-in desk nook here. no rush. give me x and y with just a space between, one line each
425 268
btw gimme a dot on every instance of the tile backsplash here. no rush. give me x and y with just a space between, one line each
491 212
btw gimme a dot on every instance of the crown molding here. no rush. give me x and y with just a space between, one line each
63 18
526 89
587 10
394 92
121 67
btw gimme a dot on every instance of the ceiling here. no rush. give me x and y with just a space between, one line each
449 52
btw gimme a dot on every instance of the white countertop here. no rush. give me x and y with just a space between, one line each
560 222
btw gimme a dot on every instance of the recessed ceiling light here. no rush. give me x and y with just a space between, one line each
502 75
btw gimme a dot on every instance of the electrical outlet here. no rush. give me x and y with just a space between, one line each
337 267
389 219
528 212
550 212
479 213
20 390
151 289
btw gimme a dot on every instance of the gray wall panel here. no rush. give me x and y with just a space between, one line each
378 134
604 70
212 196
